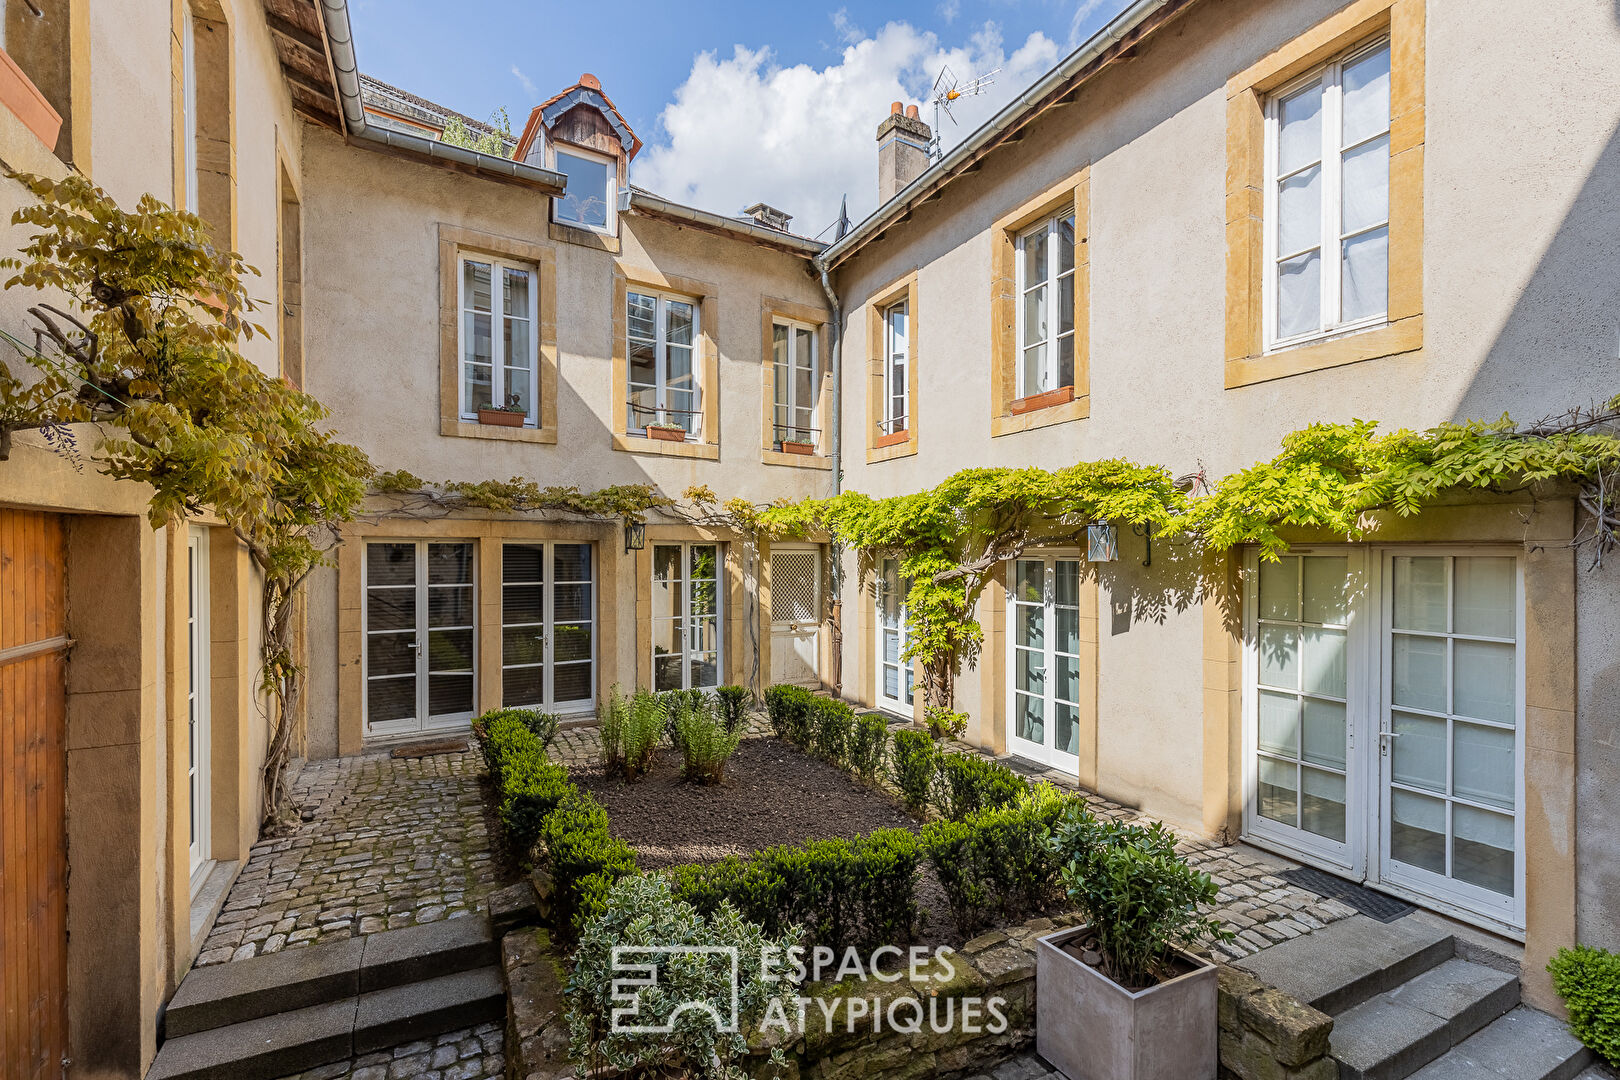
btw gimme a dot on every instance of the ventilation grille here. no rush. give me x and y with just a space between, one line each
795 581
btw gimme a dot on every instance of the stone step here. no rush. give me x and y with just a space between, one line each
226 994
1350 961
1521 1045
290 1042
1395 1033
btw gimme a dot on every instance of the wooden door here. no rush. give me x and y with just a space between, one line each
33 789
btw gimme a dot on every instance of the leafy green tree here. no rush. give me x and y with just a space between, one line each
497 143
146 346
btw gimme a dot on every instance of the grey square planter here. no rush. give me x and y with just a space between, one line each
1092 1028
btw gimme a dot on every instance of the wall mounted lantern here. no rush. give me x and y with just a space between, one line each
1102 543
635 535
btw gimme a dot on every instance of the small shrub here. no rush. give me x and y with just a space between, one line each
998 859
733 706
530 790
1140 898
844 893
789 710
911 764
943 723
832 721
611 720
671 700
645 717
642 913
585 859
1588 979
542 724
867 743
965 783
703 739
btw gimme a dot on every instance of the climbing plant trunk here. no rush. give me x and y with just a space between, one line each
283 683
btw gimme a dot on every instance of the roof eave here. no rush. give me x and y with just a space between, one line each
677 213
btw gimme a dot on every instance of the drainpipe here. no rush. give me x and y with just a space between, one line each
836 555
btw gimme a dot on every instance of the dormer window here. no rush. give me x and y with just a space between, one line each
592 183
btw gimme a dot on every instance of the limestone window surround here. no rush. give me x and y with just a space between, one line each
705 362
775 312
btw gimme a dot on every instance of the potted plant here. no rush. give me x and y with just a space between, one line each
512 414
666 431
1120 997
793 446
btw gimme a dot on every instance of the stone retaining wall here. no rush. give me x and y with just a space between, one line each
1268 1035
1264 1033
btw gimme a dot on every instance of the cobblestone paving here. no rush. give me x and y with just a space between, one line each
469 1054
390 842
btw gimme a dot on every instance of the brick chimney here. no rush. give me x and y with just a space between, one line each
902 150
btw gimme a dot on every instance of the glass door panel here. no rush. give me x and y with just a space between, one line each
1449 744
1043 609
548 618
1300 703
420 635
896 675
686 616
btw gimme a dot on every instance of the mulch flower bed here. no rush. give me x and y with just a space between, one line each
772 794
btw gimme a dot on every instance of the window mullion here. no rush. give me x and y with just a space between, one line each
660 360
1332 194
497 334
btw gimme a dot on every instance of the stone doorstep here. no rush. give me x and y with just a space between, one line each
1399 1031
291 1042
225 994
1347 962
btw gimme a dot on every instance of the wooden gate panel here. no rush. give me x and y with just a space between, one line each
33 788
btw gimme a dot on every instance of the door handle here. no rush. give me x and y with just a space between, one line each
1383 740
414 645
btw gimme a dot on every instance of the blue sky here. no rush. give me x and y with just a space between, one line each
735 101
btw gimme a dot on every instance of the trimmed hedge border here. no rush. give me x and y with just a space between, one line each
540 806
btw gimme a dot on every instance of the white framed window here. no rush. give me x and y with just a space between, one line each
1327 199
896 367
548 641
687 616
499 347
188 98
1046 306
662 353
795 386
592 183
896 675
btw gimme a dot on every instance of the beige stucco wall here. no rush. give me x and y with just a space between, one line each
1521 219
129 906
373 341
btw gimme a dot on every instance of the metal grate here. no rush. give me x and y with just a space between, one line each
795 586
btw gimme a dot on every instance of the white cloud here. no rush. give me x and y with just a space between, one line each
848 32
527 83
1078 31
949 10
744 129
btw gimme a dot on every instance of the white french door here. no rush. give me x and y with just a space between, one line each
687 618
548 641
1384 721
1043 654
199 719
896 675
420 636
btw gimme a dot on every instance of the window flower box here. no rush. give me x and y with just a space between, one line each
790 446
501 417
665 433
893 438
19 94
1061 396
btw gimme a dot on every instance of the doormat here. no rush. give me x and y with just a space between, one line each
1374 905
429 747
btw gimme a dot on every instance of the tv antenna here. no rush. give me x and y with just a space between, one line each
946 90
